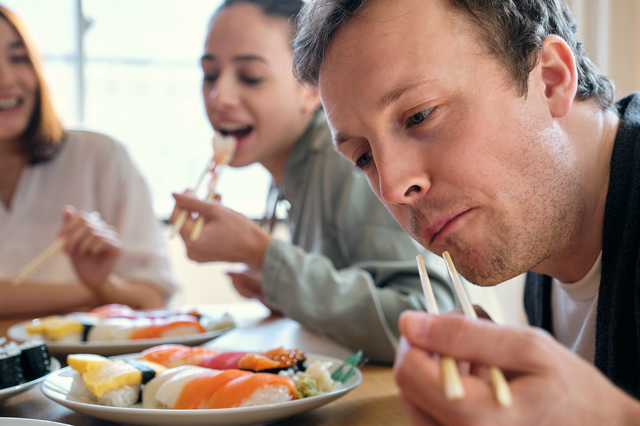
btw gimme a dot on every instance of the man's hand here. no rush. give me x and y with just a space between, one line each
550 384
227 235
92 245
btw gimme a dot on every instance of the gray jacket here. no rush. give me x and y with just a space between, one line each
350 270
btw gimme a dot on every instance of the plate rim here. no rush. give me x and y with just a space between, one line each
197 413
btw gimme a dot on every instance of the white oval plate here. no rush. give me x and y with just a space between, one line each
58 385
14 390
15 421
19 333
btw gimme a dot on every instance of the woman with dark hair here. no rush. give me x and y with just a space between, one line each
49 179
350 269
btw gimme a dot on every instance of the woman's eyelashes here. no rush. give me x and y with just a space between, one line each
249 80
246 80
418 118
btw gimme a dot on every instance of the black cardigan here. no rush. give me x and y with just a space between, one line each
617 351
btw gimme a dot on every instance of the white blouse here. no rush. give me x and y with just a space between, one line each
92 172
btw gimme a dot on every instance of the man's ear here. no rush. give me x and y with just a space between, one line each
310 99
558 73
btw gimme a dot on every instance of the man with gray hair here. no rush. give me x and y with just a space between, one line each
487 132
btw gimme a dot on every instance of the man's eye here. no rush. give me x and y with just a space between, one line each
364 160
210 78
418 117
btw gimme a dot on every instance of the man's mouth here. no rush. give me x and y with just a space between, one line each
237 130
434 233
10 103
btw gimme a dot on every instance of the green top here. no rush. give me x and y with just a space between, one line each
350 270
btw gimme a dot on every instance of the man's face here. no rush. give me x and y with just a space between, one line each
462 161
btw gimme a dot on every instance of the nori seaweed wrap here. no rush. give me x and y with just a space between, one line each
11 371
36 360
148 373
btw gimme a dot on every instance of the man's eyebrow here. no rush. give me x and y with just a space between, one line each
341 137
397 93
16 44
239 58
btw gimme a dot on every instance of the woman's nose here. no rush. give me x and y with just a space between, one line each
224 93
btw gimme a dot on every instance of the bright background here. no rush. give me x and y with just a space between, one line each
139 81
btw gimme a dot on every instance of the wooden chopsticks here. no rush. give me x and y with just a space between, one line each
182 216
450 376
498 381
224 148
39 261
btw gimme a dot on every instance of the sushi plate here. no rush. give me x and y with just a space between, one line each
14 390
58 385
18 332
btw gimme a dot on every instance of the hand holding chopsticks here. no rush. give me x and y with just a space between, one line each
500 384
93 248
451 377
182 216
224 148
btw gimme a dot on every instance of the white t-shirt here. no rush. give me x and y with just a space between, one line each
92 173
574 309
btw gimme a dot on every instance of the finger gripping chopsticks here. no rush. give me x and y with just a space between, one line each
498 381
450 375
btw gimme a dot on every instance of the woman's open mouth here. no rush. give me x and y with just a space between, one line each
237 130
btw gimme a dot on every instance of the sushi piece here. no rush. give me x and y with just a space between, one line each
253 389
223 360
85 362
175 355
162 391
11 370
57 327
116 329
162 353
189 387
273 361
151 388
114 310
35 359
179 325
115 383
198 392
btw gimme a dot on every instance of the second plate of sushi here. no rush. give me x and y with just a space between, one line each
118 329
176 395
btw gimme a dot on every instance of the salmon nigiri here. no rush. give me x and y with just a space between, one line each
253 389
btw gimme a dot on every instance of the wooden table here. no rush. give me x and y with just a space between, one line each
372 403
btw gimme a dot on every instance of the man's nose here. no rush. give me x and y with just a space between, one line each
402 175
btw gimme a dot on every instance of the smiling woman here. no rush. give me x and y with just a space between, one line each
50 178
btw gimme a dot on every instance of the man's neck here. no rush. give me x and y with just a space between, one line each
592 133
